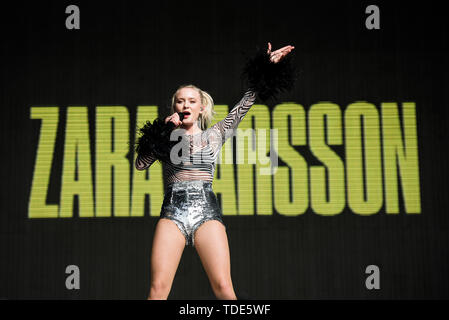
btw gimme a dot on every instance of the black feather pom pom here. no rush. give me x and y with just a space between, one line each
154 140
269 79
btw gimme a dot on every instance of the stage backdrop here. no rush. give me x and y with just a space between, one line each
356 203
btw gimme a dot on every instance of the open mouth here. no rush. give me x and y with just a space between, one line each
186 114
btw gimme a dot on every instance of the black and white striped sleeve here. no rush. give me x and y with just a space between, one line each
225 128
144 162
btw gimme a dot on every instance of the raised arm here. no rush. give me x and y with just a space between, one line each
223 129
143 163
266 77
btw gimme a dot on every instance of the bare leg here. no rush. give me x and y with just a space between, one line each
168 245
211 243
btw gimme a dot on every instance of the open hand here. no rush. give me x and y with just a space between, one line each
279 54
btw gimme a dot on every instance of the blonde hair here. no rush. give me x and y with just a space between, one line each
205 118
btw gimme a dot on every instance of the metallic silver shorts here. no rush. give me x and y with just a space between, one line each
189 204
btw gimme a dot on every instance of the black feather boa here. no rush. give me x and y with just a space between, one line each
154 140
269 79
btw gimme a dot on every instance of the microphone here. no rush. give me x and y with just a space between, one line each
170 125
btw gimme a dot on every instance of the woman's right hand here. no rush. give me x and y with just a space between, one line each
174 118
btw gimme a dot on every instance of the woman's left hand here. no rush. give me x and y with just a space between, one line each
279 54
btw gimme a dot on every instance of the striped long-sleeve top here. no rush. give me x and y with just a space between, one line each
202 149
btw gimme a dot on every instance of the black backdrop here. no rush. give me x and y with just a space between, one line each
137 53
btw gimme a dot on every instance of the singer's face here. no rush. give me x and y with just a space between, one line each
188 100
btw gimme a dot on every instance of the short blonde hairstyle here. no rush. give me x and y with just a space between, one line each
205 118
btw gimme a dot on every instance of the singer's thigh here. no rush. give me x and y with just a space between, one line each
168 246
211 243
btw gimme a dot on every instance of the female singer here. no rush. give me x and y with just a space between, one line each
190 213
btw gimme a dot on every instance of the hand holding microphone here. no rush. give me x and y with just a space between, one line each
175 120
